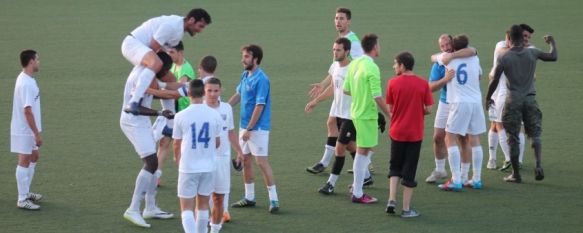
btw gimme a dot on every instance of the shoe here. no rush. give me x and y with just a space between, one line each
507 165
156 213
327 189
213 230
27 205
273 206
539 173
167 131
34 197
391 207
410 214
133 108
368 181
365 199
435 176
226 217
513 179
473 184
317 168
491 164
135 218
243 203
451 186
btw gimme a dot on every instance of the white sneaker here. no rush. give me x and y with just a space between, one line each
34 196
27 205
135 218
156 213
214 230
491 164
435 176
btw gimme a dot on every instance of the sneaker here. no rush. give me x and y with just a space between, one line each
473 184
513 179
243 203
450 186
365 199
135 218
391 207
133 108
410 214
273 206
317 168
491 164
226 217
27 205
327 189
156 213
368 181
34 197
539 173
507 165
435 176
214 230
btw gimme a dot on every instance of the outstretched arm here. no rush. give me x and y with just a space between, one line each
316 88
329 92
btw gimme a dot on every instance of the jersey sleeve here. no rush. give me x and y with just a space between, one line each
437 72
347 80
375 81
177 131
331 69
356 49
28 96
262 91
428 99
439 59
188 71
230 122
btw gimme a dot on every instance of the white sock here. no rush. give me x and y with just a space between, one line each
359 166
328 153
367 173
454 163
440 165
272 193
226 203
144 80
188 222
477 156
158 174
332 179
465 170
216 227
250 191
521 146
142 183
492 144
31 169
151 193
202 221
22 182
504 144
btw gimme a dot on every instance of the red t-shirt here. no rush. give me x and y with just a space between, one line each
408 94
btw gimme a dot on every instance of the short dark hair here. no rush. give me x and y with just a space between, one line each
166 64
368 42
196 88
527 28
208 64
198 14
346 11
255 51
516 34
346 44
179 46
460 41
26 56
405 58
213 80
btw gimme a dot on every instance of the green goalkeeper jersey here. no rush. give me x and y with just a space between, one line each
363 81
184 70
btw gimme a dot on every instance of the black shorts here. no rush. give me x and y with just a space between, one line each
404 159
347 131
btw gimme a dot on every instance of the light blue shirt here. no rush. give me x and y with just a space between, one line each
437 73
254 90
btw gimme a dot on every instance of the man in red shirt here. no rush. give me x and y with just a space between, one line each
408 99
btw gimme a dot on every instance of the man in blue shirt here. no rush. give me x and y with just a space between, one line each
255 113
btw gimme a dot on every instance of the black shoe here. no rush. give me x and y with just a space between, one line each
243 203
327 189
513 179
317 168
368 181
391 207
539 173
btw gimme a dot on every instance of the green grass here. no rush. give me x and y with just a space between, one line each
87 167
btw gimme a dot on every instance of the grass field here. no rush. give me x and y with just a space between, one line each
87 167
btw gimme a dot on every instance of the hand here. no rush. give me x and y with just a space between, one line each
549 39
309 107
382 122
246 135
489 103
168 114
38 140
449 74
315 90
446 58
238 162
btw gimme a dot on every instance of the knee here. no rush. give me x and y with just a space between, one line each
536 141
438 138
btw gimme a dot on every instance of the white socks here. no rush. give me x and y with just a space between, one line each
226 203
144 79
440 165
250 191
465 170
477 156
31 168
359 168
188 222
142 184
454 163
151 193
202 221
504 144
332 179
22 182
521 146
492 144
272 193
328 153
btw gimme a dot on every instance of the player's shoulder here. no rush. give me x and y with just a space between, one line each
501 44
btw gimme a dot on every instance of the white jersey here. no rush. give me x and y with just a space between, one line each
226 112
465 86
341 103
167 30
26 94
131 83
198 126
355 47
501 90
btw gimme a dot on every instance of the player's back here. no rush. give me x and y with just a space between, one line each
465 86
519 67
166 29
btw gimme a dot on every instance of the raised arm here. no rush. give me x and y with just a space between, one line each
552 54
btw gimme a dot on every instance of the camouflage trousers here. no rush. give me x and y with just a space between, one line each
516 112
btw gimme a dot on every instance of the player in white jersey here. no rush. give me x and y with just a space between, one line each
25 129
196 139
142 44
137 129
466 116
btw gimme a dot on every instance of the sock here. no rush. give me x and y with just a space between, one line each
144 79
521 146
367 173
465 170
202 220
151 191
250 191
226 203
216 227
328 153
359 166
454 163
352 154
332 179
158 174
440 165
31 169
142 183
338 165
477 156
272 193
504 144
492 144
188 222
22 182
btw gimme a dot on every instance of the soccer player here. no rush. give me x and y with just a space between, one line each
196 138
408 100
363 83
206 68
466 116
25 129
519 65
137 129
142 44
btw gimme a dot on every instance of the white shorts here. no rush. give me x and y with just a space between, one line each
192 184
134 50
465 118
257 144
222 175
142 138
495 112
22 144
441 115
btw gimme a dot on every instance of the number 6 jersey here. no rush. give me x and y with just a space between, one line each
465 85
